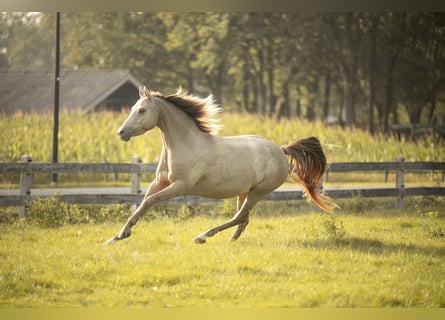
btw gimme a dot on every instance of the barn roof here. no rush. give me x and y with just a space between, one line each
86 90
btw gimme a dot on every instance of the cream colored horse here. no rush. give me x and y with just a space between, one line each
195 161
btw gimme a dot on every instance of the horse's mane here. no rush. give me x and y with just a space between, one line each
201 111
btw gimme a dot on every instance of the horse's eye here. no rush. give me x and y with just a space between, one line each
141 110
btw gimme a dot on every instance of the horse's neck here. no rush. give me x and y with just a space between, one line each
177 128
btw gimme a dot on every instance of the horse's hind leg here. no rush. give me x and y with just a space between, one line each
241 218
240 228
243 224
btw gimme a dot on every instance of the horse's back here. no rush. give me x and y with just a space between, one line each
241 163
267 160
254 147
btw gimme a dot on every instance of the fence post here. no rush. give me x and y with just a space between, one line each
400 182
136 177
135 181
26 180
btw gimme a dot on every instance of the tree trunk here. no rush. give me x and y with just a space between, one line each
219 83
246 81
341 109
270 80
255 106
350 67
372 70
327 95
283 102
298 104
389 106
312 100
285 109
263 93
388 102
350 91
432 114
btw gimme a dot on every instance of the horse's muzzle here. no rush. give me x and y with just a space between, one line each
123 135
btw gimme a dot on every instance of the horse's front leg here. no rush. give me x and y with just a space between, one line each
173 190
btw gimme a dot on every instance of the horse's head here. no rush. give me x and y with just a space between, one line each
143 116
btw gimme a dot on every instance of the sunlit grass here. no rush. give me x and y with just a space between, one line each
92 138
366 255
370 259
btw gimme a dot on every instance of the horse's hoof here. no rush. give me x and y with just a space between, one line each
124 235
119 236
200 239
111 240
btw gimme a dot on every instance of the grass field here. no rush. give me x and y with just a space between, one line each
92 138
288 257
365 255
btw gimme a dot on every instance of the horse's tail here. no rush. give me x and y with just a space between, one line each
307 166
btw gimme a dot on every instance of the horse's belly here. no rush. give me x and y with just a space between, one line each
219 191
213 187
243 163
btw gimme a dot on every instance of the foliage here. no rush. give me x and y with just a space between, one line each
229 207
109 213
25 44
334 230
54 213
370 69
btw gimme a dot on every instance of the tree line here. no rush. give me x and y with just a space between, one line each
364 69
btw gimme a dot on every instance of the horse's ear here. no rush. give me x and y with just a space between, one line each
144 92
141 92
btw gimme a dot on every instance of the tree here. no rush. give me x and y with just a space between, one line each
371 68
346 30
422 76
26 43
4 41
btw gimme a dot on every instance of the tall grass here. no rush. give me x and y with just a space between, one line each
92 138
82 138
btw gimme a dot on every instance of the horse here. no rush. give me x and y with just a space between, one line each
196 161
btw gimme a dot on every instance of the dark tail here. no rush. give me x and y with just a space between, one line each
307 166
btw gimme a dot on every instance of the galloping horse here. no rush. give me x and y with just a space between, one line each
195 161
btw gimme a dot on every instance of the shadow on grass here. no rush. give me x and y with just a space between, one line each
372 246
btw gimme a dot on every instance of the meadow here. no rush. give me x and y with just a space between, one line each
288 257
367 254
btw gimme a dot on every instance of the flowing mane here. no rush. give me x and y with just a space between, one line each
201 111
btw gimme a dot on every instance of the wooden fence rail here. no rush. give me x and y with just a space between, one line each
23 196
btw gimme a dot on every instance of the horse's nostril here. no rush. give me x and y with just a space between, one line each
123 135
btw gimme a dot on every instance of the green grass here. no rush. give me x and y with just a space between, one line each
366 255
288 257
